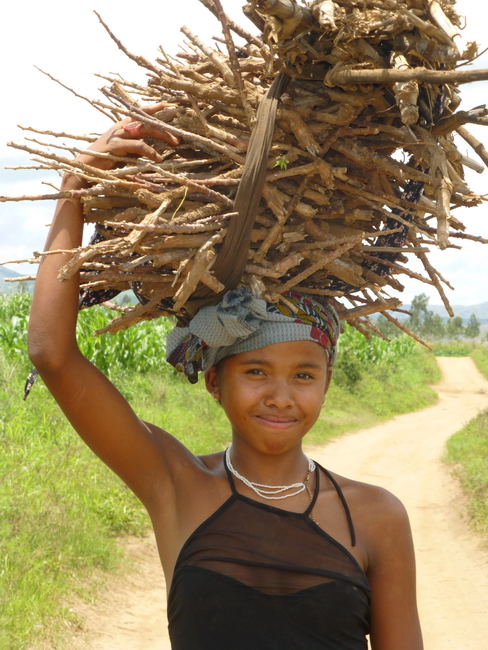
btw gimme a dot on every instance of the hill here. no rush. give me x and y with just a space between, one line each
11 287
464 311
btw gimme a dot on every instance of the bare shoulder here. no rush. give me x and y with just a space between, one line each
368 497
213 462
184 468
378 515
178 457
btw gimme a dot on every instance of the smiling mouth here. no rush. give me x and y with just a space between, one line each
276 421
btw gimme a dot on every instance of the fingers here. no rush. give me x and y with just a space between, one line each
138 130
142 149
150 109
127 138
133 129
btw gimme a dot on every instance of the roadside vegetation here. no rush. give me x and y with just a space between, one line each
467 451
61 510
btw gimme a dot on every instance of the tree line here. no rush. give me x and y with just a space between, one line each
430 326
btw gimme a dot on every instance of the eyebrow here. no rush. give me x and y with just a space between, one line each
262 362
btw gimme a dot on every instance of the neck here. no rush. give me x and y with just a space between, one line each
274 492
269 468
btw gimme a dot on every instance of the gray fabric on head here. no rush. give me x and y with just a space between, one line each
242 322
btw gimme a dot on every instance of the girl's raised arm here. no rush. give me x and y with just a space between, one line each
139 453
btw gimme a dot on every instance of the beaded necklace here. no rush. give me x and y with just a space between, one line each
269 491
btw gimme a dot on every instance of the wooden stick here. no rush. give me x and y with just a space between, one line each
234 62
179 133
140 60
446 26
204 259
59 134
474 143
137 314
240 31
319 264
215 57
387 76
372 308
92 103
392 265
405 329
433 276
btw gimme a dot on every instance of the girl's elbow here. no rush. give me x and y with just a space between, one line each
46 356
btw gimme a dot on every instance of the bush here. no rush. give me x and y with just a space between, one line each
374 380
140 348
14 319
357 356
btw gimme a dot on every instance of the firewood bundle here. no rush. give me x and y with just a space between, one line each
360 174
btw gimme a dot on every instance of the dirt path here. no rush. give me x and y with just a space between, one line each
402 455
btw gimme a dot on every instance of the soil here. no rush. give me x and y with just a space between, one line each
404 455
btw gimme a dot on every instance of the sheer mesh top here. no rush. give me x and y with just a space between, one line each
256 577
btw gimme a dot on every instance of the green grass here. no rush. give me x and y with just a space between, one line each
480 357
468 450
60 510
187 411
453 349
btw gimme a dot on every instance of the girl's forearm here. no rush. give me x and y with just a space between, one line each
55 304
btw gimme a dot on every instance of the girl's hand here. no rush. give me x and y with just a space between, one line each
125 138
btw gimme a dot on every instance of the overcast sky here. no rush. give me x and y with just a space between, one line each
66 40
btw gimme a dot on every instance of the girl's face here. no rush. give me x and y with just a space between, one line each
273 395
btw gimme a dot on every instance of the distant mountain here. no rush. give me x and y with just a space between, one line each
464 311
10 287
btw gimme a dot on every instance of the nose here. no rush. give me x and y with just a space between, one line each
279 394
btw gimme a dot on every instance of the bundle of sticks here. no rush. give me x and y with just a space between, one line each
359 174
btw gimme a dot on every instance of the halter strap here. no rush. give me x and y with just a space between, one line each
315 492
314 497
343 501
230 478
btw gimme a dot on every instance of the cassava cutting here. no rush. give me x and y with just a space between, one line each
319 158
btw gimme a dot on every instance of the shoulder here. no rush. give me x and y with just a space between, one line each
178 465
379 517
369 498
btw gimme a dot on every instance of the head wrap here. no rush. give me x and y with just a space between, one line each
241 323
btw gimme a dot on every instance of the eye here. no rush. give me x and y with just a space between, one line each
255 372
304 376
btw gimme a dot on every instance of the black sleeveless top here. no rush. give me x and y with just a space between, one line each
256 577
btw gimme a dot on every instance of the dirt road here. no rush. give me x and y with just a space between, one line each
402 455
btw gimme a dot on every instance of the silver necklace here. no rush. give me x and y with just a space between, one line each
268 491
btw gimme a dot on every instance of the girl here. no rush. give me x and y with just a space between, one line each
261 548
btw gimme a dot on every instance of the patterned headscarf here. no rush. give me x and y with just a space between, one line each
242 322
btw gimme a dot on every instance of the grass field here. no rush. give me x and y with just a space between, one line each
61 509
467 451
